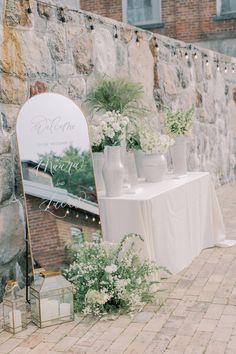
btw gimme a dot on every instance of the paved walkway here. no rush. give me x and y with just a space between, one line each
198 317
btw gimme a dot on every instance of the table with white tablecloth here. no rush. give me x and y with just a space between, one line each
177 218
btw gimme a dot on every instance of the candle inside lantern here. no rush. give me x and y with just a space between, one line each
44 310
49 310
15 320
54 309
65 310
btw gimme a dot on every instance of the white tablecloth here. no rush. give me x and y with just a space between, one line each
176 217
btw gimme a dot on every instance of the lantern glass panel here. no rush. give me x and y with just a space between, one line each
14 309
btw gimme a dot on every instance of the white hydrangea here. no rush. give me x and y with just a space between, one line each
112 126
111 269
113 121
109 132
116 127
96 297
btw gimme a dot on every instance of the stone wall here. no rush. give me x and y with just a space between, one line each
52 49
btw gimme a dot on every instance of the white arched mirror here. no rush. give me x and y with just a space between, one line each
58 177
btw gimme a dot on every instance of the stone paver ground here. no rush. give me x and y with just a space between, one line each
199 315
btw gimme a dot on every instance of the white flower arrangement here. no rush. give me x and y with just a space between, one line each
109 131
179 122
154 142
109 279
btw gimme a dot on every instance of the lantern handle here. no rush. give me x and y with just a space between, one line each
46 274
11 289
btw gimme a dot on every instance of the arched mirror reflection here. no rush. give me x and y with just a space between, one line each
58 177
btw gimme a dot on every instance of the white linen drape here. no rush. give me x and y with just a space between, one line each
177 219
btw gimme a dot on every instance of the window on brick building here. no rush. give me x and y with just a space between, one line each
142 12
73 4
228 7
77 235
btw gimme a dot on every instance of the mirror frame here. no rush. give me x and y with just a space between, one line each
29 252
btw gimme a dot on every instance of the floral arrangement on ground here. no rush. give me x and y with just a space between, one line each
112 278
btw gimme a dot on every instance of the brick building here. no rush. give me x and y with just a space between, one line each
49 234
211 23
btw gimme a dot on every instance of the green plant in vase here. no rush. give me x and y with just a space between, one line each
109 133
155 145
179 125
119 98
119 94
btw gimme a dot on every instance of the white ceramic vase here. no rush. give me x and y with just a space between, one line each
113 171
138 155
98 162
155 167
131 171
178 155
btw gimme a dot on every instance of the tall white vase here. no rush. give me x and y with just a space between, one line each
138 155
155 167
179 156
113 171
98 162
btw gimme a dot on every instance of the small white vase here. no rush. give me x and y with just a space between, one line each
178 155
113 171
98 162
155 167
132 176
138 155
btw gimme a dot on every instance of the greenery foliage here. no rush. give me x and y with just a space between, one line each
110 278
133 137
119 94
72 171
179 122
133 142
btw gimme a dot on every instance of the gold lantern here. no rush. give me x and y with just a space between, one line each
51 299
14 308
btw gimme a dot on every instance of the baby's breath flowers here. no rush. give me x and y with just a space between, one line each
154 142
